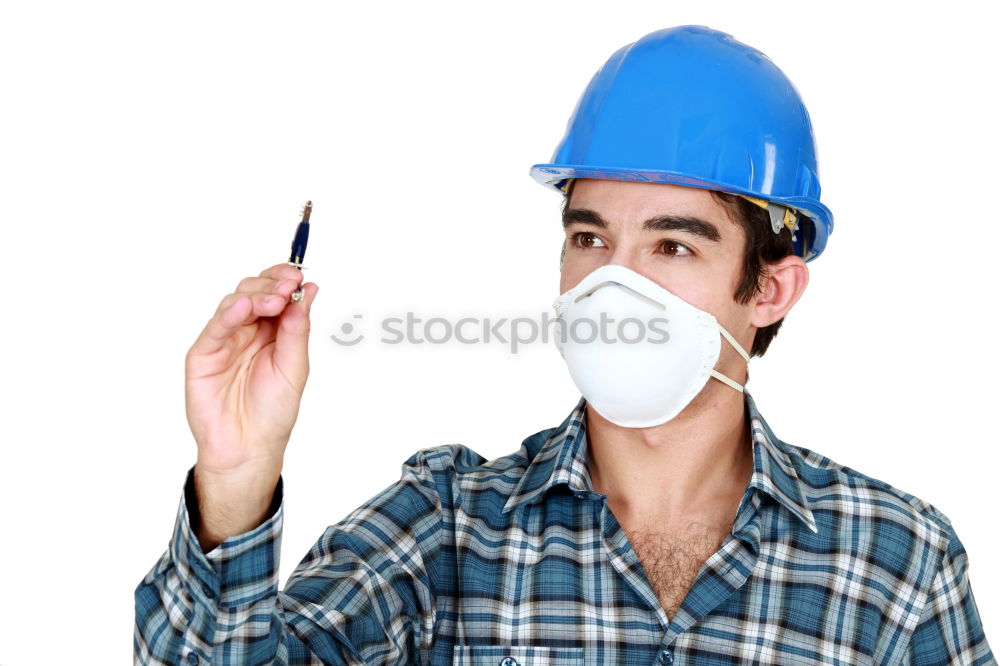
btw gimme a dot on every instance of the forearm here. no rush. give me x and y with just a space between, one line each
213 604
363 593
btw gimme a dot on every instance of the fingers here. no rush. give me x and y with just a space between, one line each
235 311
282 271
253 285
291 351
255 297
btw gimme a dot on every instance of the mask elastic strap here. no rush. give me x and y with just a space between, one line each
742 352
726 380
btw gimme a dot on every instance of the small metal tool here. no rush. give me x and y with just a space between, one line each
299 247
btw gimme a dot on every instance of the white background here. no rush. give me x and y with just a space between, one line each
153 154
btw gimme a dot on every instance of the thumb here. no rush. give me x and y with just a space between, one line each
292 338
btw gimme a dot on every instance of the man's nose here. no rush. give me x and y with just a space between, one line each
625 254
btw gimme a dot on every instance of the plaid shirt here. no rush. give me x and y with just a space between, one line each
519 561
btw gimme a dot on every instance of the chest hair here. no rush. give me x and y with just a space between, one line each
672 557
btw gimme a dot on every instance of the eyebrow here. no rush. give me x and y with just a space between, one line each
688 223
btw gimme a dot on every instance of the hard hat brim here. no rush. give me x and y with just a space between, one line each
555 175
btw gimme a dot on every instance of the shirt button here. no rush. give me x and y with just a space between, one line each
192 658
509 661
665 657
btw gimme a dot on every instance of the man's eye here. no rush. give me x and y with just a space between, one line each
675 249
586 240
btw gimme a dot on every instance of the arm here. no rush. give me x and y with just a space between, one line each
243 382
363 594
182 603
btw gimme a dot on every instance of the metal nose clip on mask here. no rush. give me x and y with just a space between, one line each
638 353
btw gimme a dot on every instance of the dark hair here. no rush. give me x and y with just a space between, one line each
763 247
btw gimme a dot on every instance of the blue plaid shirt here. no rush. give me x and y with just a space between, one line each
519 561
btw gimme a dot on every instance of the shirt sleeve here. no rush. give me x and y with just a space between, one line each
363 594
949 630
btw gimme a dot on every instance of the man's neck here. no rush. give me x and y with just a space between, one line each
694 467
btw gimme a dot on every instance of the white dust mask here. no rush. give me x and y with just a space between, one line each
638 353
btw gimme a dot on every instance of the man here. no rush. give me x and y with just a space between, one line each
662 522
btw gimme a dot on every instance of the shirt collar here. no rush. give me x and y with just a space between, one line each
562 458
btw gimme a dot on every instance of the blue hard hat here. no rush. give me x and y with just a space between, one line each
692 106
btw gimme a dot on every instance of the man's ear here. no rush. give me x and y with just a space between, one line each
784 283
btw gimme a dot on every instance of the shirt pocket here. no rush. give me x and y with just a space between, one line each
515 655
